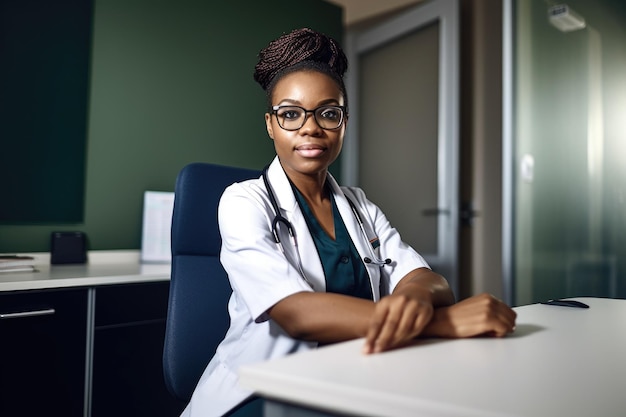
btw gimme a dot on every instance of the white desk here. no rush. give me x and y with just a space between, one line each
561 361
103 268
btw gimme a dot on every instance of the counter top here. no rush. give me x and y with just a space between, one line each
561 361
103 268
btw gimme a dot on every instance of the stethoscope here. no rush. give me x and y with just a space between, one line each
280 219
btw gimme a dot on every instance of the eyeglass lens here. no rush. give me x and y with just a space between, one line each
294 117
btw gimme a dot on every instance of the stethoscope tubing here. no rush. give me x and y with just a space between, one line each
280 219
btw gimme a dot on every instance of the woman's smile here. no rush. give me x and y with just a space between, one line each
310 150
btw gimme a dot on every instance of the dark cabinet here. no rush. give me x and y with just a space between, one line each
128 350
85 352
43 351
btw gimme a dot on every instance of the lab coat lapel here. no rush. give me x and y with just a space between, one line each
291 210
354 229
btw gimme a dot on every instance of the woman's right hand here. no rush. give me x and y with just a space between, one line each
481 315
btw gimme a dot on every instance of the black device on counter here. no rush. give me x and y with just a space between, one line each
68 248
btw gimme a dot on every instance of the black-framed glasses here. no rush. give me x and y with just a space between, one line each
294 117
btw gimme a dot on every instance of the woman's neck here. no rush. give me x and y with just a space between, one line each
316 193
312 187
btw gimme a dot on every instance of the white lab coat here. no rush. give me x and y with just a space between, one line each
261 275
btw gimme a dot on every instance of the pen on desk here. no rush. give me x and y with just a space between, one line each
565 303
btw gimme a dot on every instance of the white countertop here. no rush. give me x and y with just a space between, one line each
103 268
561 361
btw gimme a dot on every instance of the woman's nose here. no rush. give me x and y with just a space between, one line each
310 124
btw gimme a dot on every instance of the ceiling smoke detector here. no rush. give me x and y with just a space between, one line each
565 19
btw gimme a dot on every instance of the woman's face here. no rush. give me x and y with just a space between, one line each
310 149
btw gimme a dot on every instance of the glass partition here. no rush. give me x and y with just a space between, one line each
568 150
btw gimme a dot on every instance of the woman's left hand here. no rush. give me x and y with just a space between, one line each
404 314
397 319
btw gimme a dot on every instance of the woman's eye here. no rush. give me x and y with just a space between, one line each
290 114
332 114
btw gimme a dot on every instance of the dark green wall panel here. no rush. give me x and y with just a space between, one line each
171 83
44 80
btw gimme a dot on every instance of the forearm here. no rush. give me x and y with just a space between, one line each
323 317
426 285
330 318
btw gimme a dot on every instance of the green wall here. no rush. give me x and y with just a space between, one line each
171 83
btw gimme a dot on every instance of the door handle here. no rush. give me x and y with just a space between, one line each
435 211
21 314
467 214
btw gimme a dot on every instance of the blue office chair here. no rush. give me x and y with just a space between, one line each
197 316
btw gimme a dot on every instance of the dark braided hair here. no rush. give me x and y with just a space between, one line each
301 49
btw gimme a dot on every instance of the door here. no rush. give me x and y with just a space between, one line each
401 143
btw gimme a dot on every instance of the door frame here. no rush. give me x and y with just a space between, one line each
446 13
508 163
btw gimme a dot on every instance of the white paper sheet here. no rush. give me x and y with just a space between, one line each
157 222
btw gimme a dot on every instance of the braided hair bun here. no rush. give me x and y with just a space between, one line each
300 49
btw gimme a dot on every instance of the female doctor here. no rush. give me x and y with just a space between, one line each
313 263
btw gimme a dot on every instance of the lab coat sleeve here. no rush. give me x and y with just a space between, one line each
258 271
404 257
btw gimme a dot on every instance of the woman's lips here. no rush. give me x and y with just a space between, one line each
310 151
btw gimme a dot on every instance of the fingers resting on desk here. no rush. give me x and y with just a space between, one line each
481 315
398 319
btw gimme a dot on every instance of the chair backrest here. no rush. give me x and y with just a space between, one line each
197 316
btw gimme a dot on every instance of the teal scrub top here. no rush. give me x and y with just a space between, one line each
343 268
